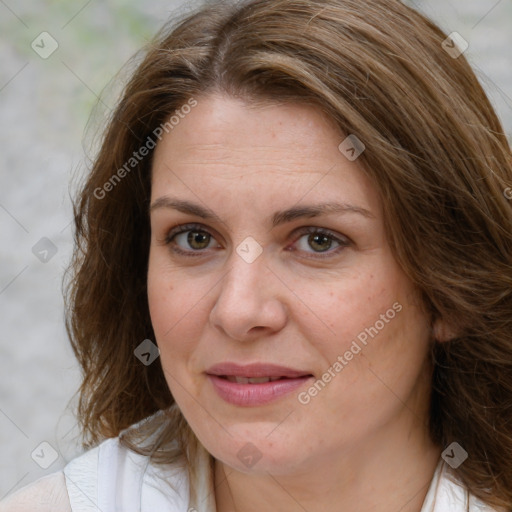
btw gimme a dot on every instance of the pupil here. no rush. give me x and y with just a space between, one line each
200 238
319 239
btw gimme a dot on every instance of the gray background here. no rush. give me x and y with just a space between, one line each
44 108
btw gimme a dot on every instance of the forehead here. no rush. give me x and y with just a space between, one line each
219 122
276 149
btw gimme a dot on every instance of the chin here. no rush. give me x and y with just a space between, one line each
255 452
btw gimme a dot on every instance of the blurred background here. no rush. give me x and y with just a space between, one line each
57 57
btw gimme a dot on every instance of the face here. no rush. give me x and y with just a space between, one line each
252 275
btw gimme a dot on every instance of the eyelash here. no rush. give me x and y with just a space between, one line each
343 243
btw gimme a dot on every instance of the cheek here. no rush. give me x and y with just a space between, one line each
160 292
340 312
375 314
167 302
164 308
178 312
387 348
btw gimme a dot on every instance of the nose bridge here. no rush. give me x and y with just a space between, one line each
247 297
247 267
244 279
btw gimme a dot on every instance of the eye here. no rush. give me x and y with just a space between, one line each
193 240
320 241
188 239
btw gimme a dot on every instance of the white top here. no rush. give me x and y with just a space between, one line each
111 478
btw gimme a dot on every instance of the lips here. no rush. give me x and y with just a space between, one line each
256 370
255 384
250 380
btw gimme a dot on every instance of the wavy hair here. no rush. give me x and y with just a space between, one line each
435 151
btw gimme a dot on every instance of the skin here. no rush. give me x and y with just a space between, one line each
362 440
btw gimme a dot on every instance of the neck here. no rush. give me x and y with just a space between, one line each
390 472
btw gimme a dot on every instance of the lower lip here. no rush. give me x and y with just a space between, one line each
247 395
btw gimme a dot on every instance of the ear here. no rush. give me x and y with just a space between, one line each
442 331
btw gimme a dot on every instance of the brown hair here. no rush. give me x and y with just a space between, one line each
435 150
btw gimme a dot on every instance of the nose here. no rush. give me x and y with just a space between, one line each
250 302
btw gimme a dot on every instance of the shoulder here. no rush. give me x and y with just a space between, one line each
447 493
111 477
48 494
108 477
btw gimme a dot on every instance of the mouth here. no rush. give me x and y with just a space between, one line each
255 373
255 380
255 384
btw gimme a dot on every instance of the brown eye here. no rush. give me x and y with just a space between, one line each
191 239
198 239
319 242
315 241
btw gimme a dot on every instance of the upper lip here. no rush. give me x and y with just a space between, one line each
228 369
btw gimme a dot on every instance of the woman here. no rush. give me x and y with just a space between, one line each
302 203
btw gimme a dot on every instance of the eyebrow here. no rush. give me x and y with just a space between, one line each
279 217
